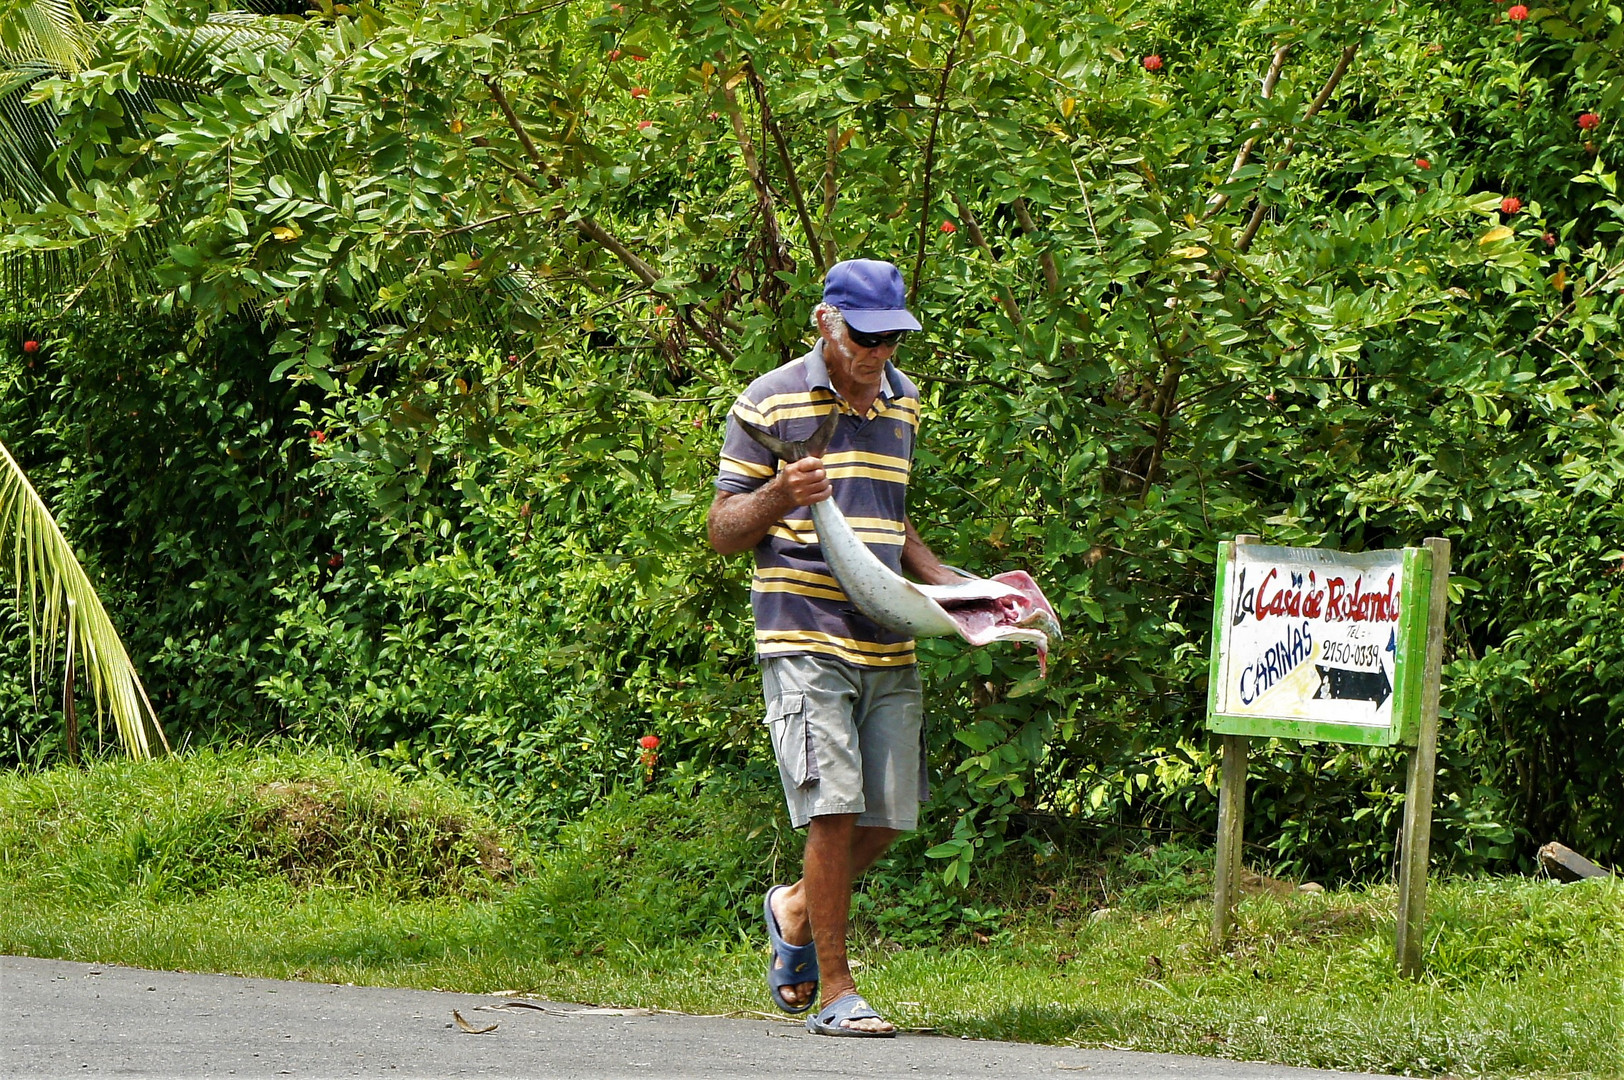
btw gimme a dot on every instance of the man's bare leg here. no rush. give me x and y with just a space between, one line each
818 906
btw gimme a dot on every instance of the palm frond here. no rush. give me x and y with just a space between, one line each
188 64
56 596
28 137
205 51
48 30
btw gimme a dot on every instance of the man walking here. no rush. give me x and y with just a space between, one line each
842 692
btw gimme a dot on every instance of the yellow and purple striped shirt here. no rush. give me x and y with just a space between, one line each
799 607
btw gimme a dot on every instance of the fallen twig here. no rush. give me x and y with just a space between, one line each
464 1025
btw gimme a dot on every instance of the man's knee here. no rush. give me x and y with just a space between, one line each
877 835
829 826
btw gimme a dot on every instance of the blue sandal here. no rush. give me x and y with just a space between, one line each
831 1021
791 964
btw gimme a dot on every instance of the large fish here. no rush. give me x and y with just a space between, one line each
1006 607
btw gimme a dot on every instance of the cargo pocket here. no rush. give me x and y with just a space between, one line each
792 738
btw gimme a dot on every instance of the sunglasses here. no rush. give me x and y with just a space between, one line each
875 341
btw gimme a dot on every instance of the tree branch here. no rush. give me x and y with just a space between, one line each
601 236
472 226
1166 396
1538 336
589 227
500 97
948 380
1220 200
777 257
586 225
1046 257
829 248
930 149
790 178
1005 296
1291 144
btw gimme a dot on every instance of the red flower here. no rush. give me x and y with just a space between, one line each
648 756
336 560
614 54
639 59
1550 239
716 116
30 346
1517 13
643 125
318 436
1153 62
1588 120
660 309
639 91
1422 163
949 227
1510 204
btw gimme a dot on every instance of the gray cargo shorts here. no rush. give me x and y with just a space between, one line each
849 740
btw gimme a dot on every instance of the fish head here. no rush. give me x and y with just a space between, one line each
1042 619
1035 609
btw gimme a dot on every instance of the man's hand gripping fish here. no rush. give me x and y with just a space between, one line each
1006 607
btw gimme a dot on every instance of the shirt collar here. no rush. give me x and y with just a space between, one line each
817 374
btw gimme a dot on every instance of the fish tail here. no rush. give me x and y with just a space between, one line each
786 450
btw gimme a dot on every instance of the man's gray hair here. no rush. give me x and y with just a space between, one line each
837 321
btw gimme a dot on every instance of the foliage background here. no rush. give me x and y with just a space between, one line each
383 372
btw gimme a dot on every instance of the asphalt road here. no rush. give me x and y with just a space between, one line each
65 1019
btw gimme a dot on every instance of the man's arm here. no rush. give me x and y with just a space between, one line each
921 562
739 522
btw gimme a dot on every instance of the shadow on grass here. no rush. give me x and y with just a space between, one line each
366 948
1048 1023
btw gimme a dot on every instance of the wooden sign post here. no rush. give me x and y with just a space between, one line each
1333 646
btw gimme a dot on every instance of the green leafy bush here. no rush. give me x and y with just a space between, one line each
641 873
197 822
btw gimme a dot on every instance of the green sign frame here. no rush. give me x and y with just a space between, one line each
1409 662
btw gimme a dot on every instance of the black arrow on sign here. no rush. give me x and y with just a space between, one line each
1346 684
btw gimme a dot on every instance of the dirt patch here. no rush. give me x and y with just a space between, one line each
1355 921
1255 884
493 857
314 833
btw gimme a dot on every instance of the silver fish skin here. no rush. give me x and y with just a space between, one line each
980 610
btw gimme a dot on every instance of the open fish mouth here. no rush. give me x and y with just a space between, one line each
1017 612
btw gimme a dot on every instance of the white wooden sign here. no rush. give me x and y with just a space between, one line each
1312 637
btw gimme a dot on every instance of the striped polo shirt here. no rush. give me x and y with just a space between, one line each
799 607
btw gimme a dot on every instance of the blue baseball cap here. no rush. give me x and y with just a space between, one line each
870 295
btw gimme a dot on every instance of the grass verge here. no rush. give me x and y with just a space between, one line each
312 866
